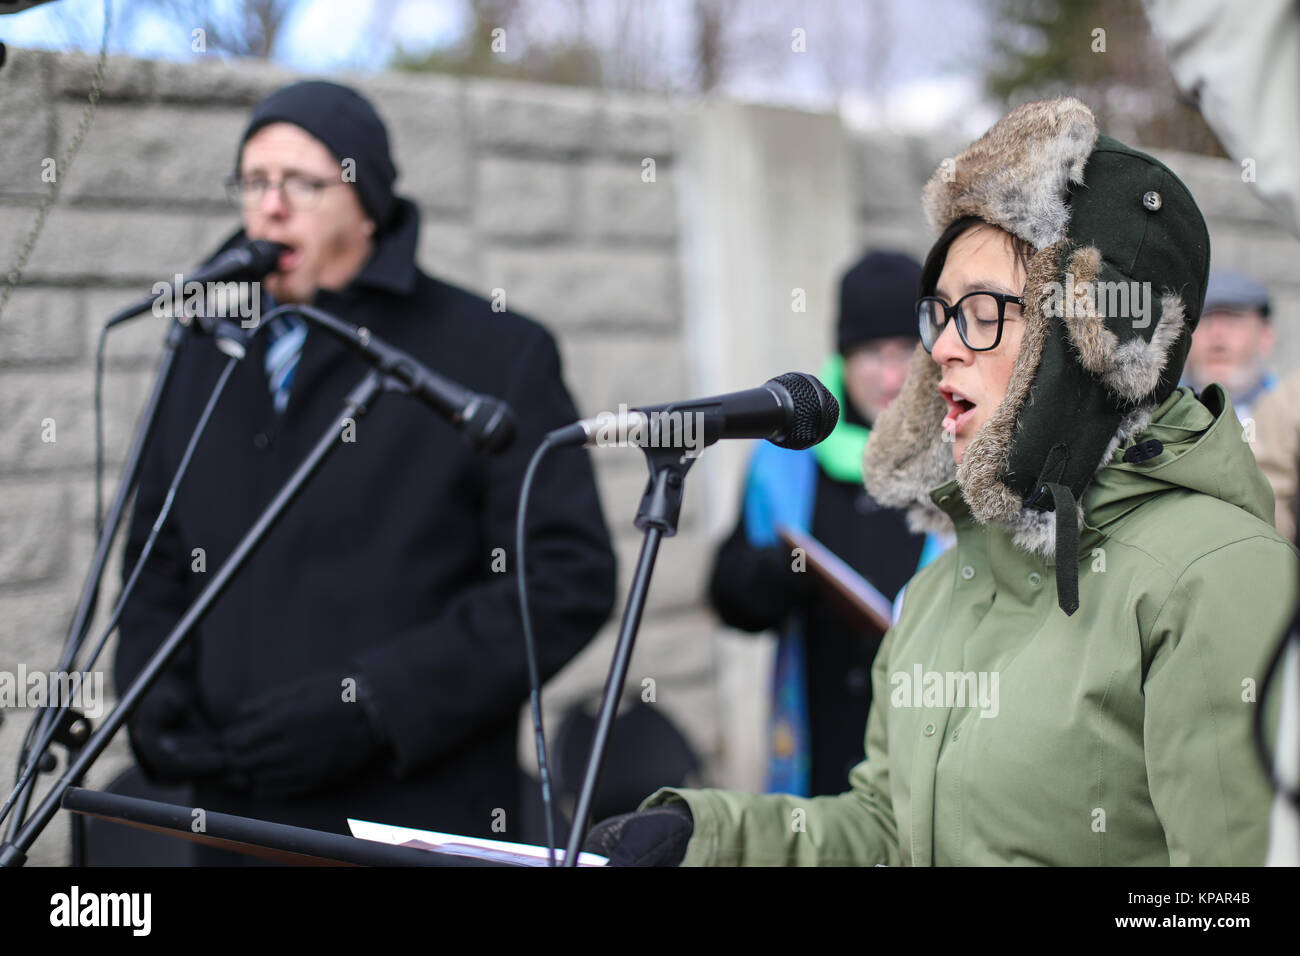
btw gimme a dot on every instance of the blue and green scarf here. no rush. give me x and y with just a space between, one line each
781 490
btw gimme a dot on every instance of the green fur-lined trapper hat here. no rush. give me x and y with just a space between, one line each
1112 294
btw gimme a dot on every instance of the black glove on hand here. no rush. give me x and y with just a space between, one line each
654 837
171 738
303 736
796 589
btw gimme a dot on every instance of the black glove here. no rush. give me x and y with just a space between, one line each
654 837
172 739
756 588
796 588
303 736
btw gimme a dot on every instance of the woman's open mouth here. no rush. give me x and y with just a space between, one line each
960 410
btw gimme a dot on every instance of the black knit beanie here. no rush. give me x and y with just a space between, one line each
878 300
348 125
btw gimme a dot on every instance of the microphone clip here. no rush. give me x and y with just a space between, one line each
661 502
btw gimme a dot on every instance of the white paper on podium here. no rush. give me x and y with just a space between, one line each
520 853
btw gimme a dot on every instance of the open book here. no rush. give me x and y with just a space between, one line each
521 854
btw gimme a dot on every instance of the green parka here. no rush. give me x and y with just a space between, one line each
1003 731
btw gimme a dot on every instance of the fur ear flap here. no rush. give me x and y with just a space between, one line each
1077 306
1018 173
1138 363
1130 371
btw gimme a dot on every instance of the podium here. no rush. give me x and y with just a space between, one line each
275 842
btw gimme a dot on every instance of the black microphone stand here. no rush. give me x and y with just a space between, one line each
13 852
86 604
657 516
73 728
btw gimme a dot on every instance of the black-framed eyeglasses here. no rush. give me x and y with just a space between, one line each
980 317
299 191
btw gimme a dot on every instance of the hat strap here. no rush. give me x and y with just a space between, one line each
1067 525
1067 547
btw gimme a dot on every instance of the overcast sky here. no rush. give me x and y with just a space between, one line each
895 64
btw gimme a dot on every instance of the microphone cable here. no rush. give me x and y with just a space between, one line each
1272 672
28 756
530 646
16 272
61 171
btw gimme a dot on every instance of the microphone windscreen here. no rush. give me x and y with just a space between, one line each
264 256
816 411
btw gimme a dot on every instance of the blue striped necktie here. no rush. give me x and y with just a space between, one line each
288 332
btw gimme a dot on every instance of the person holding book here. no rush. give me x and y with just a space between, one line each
821 688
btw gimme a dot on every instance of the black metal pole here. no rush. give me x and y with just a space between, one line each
657 518
90 588
14 851
613 689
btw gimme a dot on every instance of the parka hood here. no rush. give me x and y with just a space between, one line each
1203 448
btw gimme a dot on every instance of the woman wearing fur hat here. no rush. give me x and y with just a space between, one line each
1074 681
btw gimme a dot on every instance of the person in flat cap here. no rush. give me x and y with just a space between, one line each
1233 340
821 691
366 662
1073 681
1275 423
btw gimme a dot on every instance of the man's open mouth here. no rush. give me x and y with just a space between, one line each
289 258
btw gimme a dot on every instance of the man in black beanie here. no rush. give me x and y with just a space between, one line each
367 661
821 691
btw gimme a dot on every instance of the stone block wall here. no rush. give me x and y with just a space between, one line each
658 289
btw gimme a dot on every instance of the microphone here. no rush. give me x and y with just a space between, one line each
250 261
486 422
793 410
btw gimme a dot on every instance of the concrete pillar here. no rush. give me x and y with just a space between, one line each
766 228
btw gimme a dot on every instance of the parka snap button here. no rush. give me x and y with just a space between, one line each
261 440
955 733
1151 199
968 572
944 499
928 730
1035 578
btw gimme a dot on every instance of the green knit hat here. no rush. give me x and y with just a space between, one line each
1112 295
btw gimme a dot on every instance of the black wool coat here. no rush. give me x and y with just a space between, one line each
387 564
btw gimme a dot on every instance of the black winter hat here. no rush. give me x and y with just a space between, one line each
348 125
878 299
